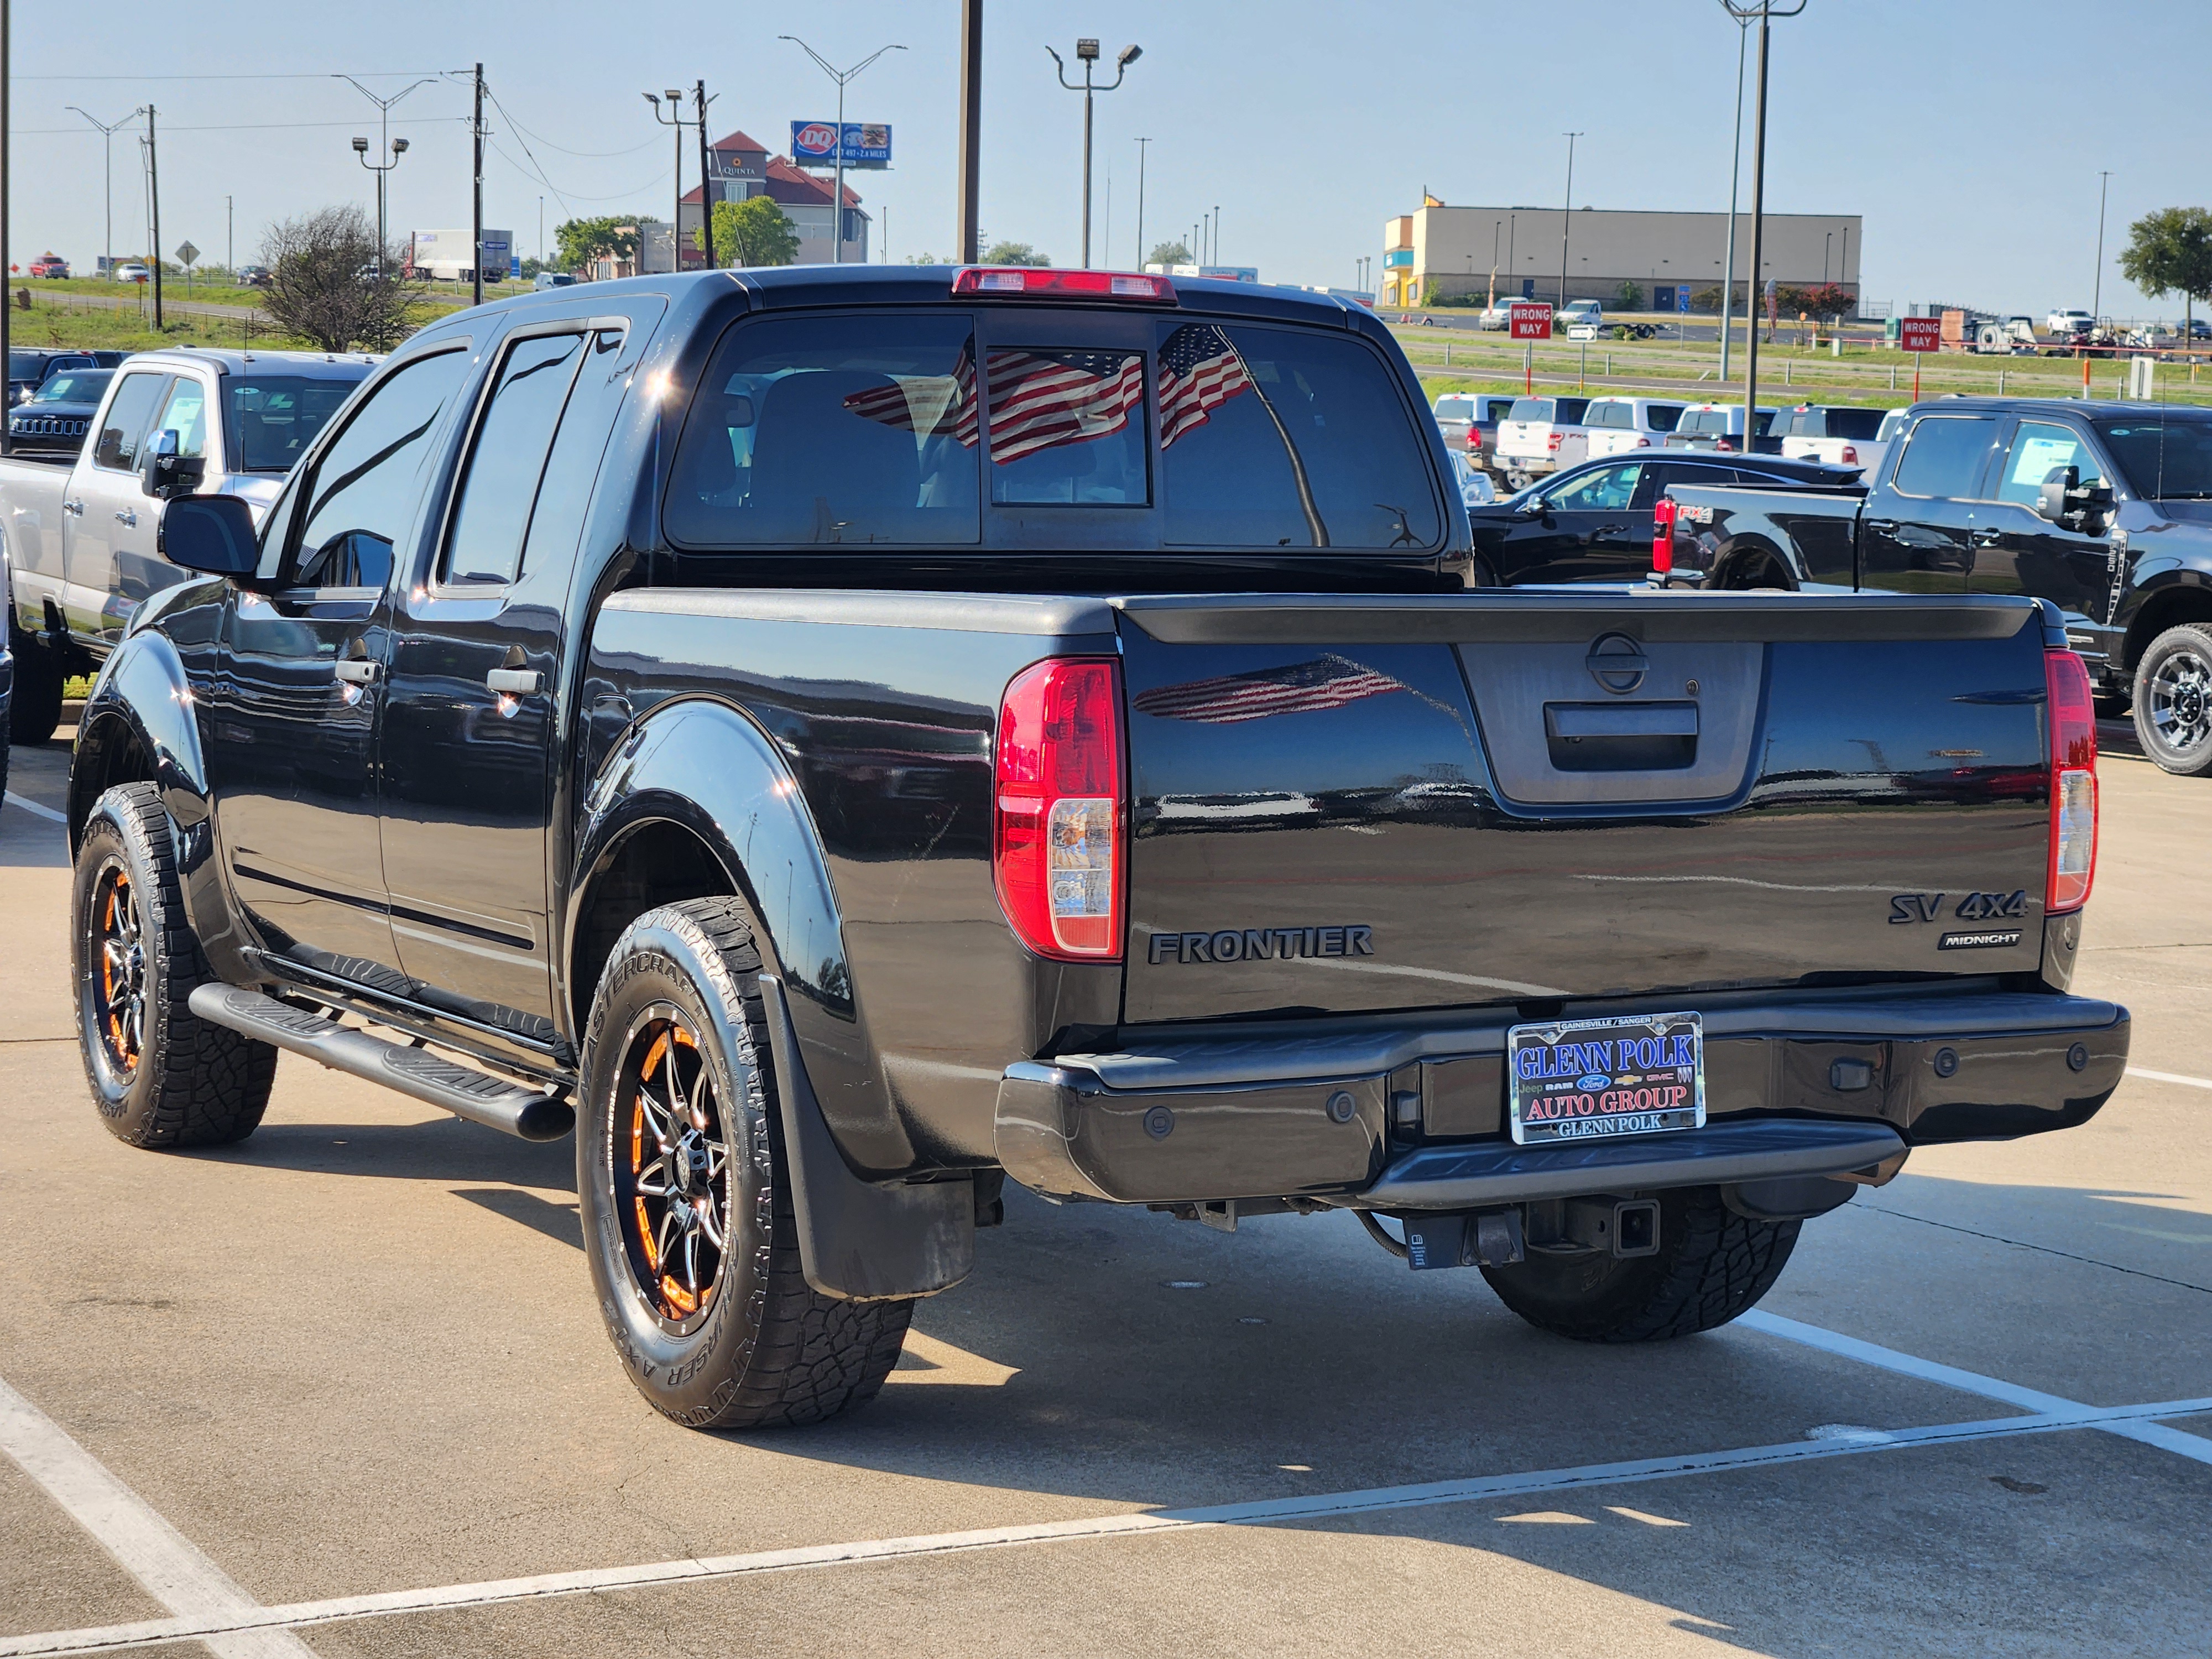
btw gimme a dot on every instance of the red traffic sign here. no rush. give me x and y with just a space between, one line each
1920 333
1532 320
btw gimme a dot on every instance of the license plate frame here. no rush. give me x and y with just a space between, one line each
1550 1104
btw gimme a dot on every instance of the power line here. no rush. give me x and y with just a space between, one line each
377 75
256 126
650 183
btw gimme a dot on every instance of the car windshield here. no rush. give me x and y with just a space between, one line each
74 386
273 417
2167 459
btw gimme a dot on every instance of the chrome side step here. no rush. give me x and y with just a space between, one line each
530 1113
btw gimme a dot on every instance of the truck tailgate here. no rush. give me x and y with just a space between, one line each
1351 803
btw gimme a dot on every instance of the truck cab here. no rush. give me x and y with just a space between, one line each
81 531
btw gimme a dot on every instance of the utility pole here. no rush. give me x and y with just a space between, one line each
837 188
153 185
966 250
475 141
1735 167
1141 151
707 182
2097 302
1086 52
229 239
1217 232
1567 216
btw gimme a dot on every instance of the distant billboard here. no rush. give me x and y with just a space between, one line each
867 144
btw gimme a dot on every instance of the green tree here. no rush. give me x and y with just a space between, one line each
1013 253
1168 253
2171 251
754 231
580 241
1630 296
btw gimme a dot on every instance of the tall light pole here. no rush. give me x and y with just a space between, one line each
2097 302
966 235
1766 12
229 240
1735 169
1086 52
1141 144
673 119
837 190
107 131
380 169
1827 237
1567 215
1217 232
388 147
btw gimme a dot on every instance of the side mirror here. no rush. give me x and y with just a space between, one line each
162 472
2050 498
210 534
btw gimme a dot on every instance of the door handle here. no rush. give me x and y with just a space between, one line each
514 682
74 510
127 517
1882 526
356 671
1986 538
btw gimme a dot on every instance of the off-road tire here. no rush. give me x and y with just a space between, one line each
1713 1264
193 1084
35 710
2175 649
766 1350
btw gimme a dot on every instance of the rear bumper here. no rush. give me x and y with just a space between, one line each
1408 1113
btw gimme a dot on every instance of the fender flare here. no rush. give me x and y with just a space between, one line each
2149 585
707 767
1736 548
144 697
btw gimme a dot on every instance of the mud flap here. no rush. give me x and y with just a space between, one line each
861 1241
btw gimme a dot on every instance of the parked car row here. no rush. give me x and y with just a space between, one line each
30 367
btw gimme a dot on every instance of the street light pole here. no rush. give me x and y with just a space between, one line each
1567 216
1141 144
1086 52
706 180
1735 171
1764 12
387 147
107 131
971 123
837 189
2097 302
674 121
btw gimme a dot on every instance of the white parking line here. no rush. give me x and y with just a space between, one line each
34 809
2170 1077
1266 1512
170 1565
2180 1442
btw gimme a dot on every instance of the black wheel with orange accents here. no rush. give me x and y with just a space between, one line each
686 1206
160 1075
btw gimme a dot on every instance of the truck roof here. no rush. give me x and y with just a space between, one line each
2060 406
776 287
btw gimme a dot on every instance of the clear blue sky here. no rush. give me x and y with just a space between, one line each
1308 122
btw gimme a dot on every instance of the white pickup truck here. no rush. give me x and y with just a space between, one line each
1540 436
77 534
1839 433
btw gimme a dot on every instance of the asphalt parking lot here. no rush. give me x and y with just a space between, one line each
342 1389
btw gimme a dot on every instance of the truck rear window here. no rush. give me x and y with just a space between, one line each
2163 460
274 417
868 429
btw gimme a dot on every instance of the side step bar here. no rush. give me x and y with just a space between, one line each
478 1096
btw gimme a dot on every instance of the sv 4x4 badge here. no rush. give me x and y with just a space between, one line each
1973 907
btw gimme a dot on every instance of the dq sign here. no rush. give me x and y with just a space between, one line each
813 141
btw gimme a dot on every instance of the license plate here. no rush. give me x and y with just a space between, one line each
1587 1079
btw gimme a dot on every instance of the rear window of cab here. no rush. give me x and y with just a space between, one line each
884 430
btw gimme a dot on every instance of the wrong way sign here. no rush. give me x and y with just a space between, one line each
1532 320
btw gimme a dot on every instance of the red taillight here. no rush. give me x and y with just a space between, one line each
1724 446
2073 783
1643 443
1662 535
1851 456
1060 829
1019 282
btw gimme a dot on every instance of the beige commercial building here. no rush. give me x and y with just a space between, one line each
1450 252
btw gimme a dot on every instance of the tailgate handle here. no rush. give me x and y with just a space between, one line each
1622 737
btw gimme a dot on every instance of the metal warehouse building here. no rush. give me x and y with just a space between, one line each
1448 252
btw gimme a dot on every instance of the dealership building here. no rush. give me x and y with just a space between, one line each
1446 253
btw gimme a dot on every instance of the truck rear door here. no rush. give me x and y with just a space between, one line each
2070 564
1916 534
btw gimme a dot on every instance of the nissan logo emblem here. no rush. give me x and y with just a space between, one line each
1616 662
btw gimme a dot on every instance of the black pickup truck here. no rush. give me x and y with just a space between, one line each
836 738
2103 509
